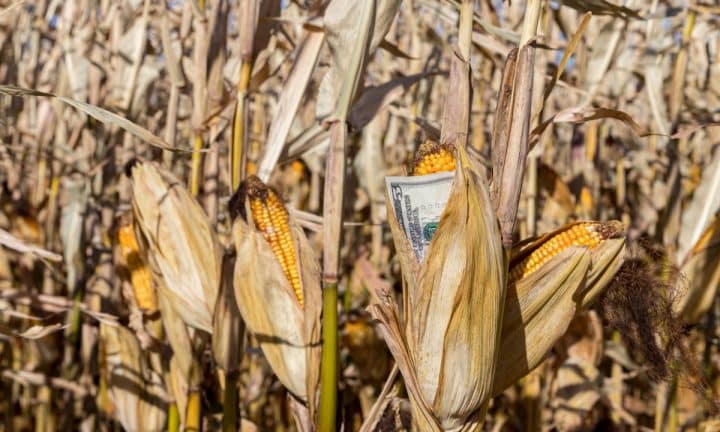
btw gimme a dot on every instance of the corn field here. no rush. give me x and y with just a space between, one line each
359 215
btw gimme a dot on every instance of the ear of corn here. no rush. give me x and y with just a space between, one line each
139 273
260 279
271 218
464 273
589 234
432 158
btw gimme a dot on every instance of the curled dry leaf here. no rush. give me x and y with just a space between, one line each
277 287
182 248
39 331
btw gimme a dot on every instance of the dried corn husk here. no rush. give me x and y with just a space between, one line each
539 307
462 274
182 247
139 401
538 310
288 333
701 269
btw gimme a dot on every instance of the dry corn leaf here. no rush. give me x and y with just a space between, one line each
182 247
136 391
11 242
697 290
576 391
293 90
99 114
348 24
39 331
700 211
602 7
228 328
77 191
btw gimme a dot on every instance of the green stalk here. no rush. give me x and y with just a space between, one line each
195 173
328 371
673 414
173 422
230 402
192 423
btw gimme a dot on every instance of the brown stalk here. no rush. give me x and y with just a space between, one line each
177 81
510 151
200 54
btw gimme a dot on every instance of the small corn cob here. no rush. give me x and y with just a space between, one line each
271 218
589 234
139 273
433 158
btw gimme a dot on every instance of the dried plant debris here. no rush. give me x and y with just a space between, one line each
517 204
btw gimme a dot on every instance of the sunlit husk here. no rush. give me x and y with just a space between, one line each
182 360
289 334
453 348
607 258
701 271
135 390
182 247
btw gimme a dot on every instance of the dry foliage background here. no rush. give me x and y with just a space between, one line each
630 136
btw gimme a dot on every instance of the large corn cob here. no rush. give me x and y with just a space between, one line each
432 158
139 273
271 218
589 234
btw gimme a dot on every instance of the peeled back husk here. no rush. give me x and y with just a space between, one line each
182 247
453 348
539 307
288 333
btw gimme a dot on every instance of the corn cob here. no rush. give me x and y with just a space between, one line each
271 218
139 273
432 158
589 234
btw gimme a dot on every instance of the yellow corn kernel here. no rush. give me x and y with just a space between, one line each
432 158
271 218
251 168
139 273
588 234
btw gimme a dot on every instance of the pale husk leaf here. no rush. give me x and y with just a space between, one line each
702 277
182 245
135 390
386 313
228 327
606 261
538 309
310 274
